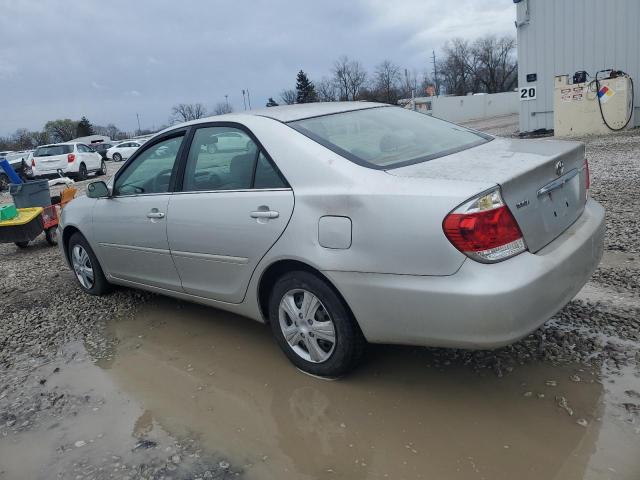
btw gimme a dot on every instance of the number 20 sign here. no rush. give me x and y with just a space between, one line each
528 93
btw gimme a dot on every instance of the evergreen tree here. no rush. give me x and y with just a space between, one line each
84 128
272 102
305 90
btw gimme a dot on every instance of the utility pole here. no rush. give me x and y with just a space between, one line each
226 100
138 117
243 100
435 73
249 98
413 91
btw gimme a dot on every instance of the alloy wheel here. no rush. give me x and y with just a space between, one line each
307 325
82 266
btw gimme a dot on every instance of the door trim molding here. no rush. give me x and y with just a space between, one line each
160 251
211 257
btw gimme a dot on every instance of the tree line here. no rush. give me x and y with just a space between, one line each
61 130
485 65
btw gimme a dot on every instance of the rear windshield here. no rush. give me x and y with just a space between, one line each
53 150
388 137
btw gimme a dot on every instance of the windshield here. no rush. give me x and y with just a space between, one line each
53 150
388 137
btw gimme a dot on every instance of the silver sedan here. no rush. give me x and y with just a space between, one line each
346 223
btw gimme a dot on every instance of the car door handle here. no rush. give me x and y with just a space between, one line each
155 215
264 214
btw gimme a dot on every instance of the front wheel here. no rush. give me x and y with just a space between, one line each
117 157
86 266
22 244
103 169
51 236
313 326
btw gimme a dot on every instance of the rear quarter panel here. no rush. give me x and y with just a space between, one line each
396 222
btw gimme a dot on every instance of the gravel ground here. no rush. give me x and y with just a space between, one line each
43 311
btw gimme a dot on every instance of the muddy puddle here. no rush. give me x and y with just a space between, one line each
192 392
204 374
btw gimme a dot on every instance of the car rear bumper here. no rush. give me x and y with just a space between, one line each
482 305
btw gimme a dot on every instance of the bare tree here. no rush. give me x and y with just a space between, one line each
386 82
487 64
326 90
185 112
350 77
494 63
288 96
222 107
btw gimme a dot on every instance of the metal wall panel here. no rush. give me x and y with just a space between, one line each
564 36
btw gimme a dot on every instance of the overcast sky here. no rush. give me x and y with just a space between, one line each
111 59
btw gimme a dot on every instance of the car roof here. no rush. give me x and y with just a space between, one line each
290 113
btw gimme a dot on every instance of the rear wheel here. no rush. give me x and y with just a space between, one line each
86 266
117 157
313 326
82 172
22 244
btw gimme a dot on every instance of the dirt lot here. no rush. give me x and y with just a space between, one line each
134 385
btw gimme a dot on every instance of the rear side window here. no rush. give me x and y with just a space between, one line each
388 137
53 150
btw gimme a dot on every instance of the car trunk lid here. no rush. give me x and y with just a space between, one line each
543 182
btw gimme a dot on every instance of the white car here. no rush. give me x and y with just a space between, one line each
123 150
75 160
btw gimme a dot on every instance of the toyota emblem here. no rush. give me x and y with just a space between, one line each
559 168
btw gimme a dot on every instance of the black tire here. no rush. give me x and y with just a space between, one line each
51 236
103 169
4 182
22 244
117 157
349 344
100 284
82 172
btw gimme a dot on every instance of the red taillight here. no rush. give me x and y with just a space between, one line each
33 162
484 229
71 158
587 174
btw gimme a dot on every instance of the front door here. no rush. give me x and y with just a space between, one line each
233 206
130 227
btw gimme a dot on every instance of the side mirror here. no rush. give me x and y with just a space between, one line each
98 190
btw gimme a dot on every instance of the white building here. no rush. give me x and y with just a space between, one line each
557 37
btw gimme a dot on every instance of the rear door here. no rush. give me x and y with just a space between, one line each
130 227
233 206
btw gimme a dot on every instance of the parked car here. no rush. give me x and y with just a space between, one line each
346 223
75 160
20 162
101 148
123 150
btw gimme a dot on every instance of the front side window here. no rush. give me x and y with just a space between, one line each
388 137
151 171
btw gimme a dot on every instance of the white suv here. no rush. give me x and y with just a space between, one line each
123 150
73 159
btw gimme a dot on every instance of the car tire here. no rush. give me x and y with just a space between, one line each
22 244
82 172
51 236
103 169
117 157
4 182
306 340
81 258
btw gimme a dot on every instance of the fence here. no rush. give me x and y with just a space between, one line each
469 107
